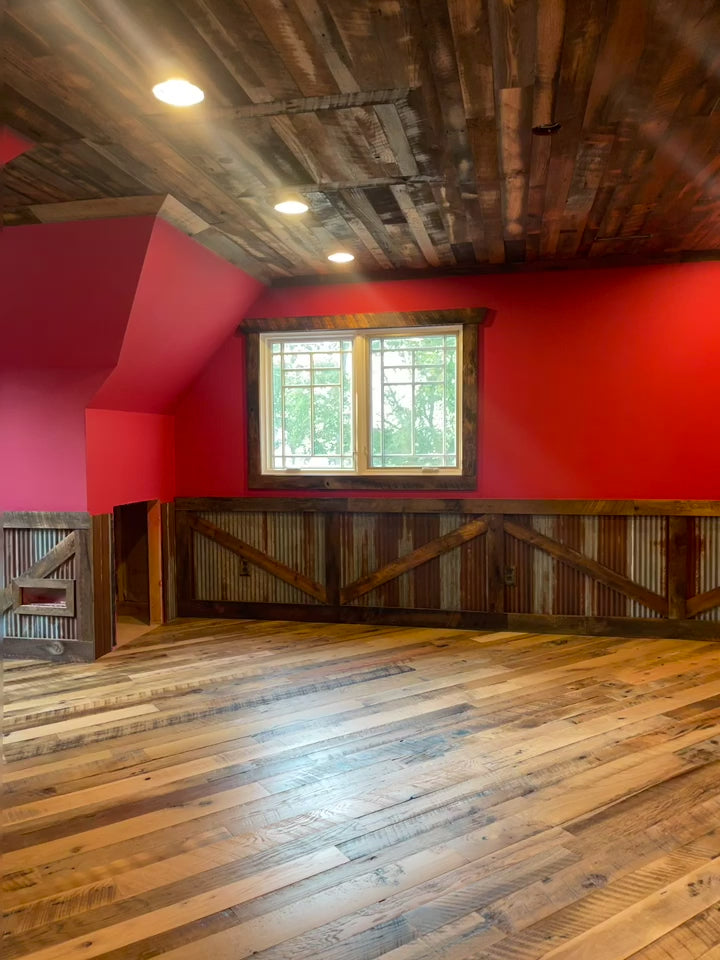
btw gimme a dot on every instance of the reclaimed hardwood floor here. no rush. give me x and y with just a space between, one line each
223 789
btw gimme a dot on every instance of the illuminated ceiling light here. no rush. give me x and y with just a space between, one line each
341 257
291 207
178 92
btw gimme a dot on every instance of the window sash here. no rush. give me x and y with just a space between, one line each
361 416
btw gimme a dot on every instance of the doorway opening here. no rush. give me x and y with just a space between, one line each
138 569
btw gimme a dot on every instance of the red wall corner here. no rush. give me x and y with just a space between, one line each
130 457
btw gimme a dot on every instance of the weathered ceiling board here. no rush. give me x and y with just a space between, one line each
406 125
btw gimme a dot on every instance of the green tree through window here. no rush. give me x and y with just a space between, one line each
362 402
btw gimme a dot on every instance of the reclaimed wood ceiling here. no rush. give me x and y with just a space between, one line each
406 124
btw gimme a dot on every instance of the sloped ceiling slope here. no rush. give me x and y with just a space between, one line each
67 291
188 301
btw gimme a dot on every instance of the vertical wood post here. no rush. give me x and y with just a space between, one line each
169 575
495 538
85 587
677 566
332 558
185 560
103 564
155 562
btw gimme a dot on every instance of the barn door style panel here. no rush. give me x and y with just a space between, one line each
705 538
576 567
46 586
253 557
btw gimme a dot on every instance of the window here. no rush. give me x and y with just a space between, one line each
361 402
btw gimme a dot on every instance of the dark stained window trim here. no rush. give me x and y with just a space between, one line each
470 319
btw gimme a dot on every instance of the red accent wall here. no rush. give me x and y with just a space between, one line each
12 145
187 303
67 290
121 314
210 428
130 457
596 384
42 438
65 295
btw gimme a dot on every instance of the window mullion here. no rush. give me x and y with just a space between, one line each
362 401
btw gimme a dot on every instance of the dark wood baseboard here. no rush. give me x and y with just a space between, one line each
458 619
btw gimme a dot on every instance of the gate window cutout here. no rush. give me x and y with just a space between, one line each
38 597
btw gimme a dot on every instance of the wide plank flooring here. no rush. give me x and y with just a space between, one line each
227 789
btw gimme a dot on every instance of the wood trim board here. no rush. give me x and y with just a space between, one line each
444 505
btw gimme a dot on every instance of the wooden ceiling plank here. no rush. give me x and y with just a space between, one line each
323 146
590 165
617 62
366 139
513 40
281 108
691 179
302 148
419 116
37 180
239 41
439 98
584 30
470 27
551 34
515 116
471 38
342 223
423 198
415 222
354 204
376 38
231 250
328 38
97 209
397 138
290 35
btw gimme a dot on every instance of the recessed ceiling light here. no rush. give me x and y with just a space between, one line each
341 257
291 206
178 92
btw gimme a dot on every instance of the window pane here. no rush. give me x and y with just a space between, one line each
312 405
414 401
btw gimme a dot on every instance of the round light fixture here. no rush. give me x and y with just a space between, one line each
291 207
178 92
341 257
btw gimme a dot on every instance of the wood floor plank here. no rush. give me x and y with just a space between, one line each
288 791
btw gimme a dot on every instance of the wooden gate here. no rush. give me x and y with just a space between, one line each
47 607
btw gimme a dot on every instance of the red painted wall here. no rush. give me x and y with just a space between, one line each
12 145
210 428
42 438
67 290
597 384
126 311
65 296
130 457
187 303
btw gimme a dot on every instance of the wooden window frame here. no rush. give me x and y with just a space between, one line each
471 319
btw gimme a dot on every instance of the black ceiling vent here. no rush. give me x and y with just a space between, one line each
546 129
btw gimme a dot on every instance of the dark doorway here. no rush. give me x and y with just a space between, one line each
132 561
